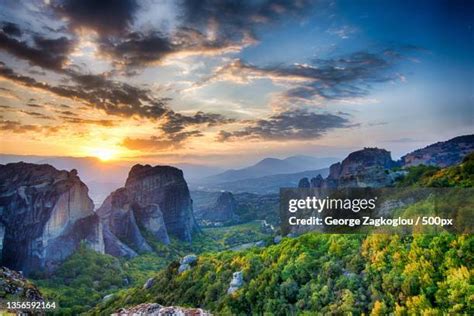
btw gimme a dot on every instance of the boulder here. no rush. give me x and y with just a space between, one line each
149 283
236 283
277 239
45 214
14 285
183 267
189 259
154 309
107 298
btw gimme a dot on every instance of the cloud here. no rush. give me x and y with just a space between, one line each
155 143
38 115
232 19
119 99
176 122
289 125
111 17
48 53
75 120
34 105
11 29
19 128
349 76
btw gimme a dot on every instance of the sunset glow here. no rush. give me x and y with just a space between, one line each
232 87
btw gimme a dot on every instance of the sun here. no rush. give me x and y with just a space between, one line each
104 154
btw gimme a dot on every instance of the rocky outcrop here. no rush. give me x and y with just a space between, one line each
186 263
236 283
441 154
223 210
364 168
154 201
14 287
154 309
45 215
304 183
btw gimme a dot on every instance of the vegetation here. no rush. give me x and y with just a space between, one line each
325 274
86 277
308 275
83 280
461 175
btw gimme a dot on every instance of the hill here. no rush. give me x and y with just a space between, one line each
271 166
441 154
262 185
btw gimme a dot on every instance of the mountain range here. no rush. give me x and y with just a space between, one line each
272 166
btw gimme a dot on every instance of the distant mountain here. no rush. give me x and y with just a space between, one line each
262 185
272 166
441 154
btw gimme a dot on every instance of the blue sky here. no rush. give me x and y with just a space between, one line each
230 82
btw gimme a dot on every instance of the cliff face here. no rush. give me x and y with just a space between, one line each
363 168
45 214
155 200
223 209
441 154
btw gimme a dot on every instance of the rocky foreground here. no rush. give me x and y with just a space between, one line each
14 286
153 309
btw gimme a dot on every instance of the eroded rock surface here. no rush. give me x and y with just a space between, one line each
154 309
364 168
441 154
154 201
223 209
45 213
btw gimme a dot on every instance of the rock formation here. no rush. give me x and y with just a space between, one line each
154 201
236 283
45 214
441 154
154 309
223 209
304 183
14 287
364 168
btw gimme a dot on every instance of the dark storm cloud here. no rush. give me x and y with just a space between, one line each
154 143
48 53
289 125
233 24
11 29
106 17
237 17
119 99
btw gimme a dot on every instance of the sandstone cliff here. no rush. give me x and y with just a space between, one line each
45 214
154 201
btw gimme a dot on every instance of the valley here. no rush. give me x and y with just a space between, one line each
154 240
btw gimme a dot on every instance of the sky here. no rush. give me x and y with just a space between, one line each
230 82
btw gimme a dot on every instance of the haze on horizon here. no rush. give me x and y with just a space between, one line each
225 82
